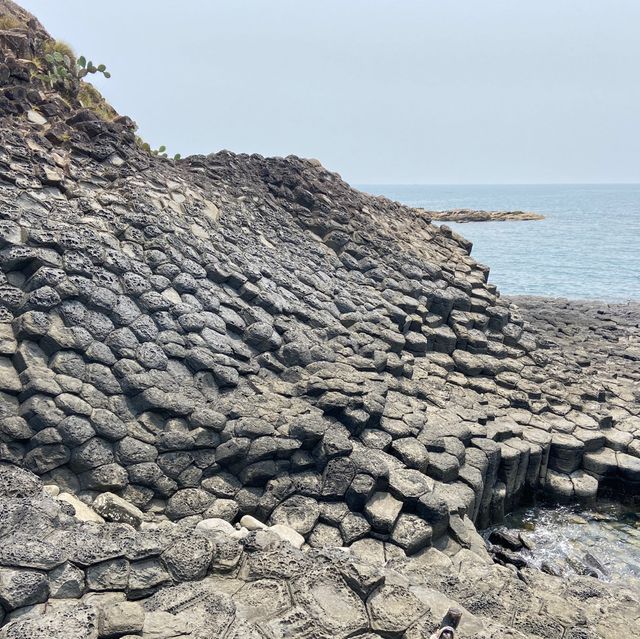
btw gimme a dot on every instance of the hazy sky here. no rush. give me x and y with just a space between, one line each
382 91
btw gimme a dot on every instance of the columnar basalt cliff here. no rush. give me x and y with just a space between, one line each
242 399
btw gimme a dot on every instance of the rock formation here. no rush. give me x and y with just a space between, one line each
242 399
472 215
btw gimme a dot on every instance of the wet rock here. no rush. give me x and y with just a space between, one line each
506 539
511 558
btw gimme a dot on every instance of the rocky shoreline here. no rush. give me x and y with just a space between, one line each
239 398
472 215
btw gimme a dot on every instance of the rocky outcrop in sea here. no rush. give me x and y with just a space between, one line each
239 398
473 215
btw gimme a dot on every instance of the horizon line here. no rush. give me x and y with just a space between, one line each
495 183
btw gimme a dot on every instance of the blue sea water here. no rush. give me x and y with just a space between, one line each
587 247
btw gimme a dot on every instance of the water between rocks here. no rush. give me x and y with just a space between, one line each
604 538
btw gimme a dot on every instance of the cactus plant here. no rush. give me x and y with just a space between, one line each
83 68
160 152
60 69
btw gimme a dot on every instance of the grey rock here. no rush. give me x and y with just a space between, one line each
108 575
382 511
146 577
190 501
226 509
298 512
114 508
353 526
411 533
66 582
120 618
188 559
21 587
393 609
45 458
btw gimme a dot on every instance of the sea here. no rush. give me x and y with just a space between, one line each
603 537
587 247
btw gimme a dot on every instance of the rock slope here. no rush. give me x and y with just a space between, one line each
235 340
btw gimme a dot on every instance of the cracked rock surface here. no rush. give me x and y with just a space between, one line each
263 404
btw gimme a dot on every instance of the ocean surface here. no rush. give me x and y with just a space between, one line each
604 537
588 247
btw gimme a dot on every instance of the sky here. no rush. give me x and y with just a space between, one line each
381 91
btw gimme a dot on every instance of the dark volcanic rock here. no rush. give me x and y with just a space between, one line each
187 345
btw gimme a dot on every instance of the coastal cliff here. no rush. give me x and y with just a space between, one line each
240 398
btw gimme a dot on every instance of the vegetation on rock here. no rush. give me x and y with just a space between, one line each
160 152
91 98
59 69
9 22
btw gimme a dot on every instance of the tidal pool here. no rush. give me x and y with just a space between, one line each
602 540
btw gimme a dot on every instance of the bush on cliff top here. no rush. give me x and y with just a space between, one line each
91 98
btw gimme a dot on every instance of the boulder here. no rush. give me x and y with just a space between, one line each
120 618
382 511
393 609
216 525
114 508
298 512
188 559
506 539
288 534
187 502
82 512
411 533
21 587
66 582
